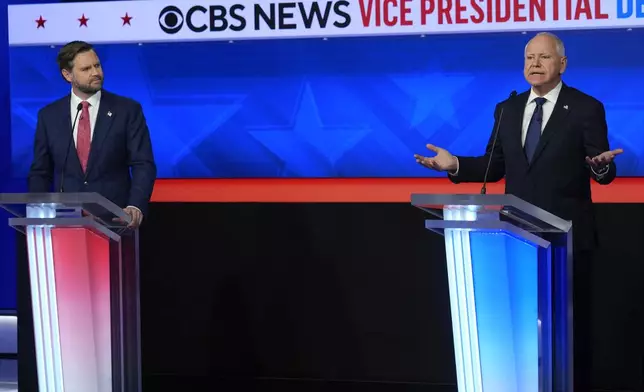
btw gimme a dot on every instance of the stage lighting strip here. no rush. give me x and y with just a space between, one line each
44 301
8 335
462 301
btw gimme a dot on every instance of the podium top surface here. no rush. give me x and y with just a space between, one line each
66 198
505 206
63 204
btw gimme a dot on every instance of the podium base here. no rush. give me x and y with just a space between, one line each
96 312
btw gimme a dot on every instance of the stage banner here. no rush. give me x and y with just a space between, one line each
162 21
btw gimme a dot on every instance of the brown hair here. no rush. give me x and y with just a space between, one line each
68 53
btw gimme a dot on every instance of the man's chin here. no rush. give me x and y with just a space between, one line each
536 80
91 89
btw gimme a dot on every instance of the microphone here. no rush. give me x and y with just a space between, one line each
69 142
496 135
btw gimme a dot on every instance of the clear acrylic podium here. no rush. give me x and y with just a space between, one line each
83 272
509 266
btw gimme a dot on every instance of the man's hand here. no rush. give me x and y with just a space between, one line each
442 161
603 159
136 217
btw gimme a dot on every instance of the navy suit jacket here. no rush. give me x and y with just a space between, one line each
121 163
558 178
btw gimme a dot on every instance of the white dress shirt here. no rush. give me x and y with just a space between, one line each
94 102
547 108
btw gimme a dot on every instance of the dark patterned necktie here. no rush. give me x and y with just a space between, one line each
534 129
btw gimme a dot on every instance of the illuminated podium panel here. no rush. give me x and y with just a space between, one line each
509 266
83 273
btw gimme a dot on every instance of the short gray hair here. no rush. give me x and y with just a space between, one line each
561 49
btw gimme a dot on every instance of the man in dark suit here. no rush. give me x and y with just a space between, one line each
552 139
101 142
109 151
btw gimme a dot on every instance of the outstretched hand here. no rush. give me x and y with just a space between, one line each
603 159
442 161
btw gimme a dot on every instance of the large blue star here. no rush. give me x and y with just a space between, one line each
308 147
189 116
433 94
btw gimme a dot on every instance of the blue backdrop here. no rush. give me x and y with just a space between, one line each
352 107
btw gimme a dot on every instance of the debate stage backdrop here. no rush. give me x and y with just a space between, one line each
342 107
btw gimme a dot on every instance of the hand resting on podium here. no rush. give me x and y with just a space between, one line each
136 217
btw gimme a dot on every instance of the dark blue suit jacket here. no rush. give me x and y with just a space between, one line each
121 163
558 178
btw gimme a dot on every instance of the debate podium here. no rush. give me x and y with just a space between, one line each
509 266
83 275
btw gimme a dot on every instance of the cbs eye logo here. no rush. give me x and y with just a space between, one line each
171 19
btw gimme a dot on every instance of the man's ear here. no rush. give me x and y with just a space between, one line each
67 75
564 64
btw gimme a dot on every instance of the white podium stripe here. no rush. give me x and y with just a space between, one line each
43 294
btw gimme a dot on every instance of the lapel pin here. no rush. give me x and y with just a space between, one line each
109 114
566 107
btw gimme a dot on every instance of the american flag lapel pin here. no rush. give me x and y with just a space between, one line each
109 114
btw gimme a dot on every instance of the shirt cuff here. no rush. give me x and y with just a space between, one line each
601 172
136 208
457 167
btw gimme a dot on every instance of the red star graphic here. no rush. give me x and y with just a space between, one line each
126 19
83 21
41 22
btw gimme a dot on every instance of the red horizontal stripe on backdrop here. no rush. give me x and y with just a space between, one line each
362 190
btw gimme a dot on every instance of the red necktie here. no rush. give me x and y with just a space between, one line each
83 138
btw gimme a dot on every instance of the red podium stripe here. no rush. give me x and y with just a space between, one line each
81 262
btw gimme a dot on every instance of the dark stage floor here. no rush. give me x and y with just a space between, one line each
339 297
